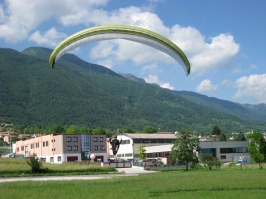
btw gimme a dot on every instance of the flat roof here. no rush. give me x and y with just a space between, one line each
150 136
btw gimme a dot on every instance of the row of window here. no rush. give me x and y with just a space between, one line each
37 145
122 155
98 148
125 142
234 150
52 159
71 139
72 148
154 141
97 139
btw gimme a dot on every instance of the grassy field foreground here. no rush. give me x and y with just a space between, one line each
173 184
233 182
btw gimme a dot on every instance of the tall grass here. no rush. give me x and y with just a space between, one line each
17 167
20 164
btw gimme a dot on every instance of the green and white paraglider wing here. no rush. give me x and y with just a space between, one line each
132 33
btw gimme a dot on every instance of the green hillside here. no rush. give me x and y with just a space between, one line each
81 93
246 112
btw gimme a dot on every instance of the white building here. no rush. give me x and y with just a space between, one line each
160 145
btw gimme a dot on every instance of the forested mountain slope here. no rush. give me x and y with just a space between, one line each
81 93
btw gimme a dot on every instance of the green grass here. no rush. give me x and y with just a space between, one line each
18 167
175 184
4 150
233 182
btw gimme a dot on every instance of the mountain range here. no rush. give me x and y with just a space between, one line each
85 94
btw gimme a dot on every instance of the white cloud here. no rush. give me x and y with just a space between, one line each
49 38
2 14
19 19
155 79
206 85
252 86
24 16
152 68
227 82
108 63
102 50
215 55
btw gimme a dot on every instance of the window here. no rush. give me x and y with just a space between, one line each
233 150
125 142
69 148
18 149
145 141
46 143
75 148
128 154
137 140
100 139
75 139
37 145
59 159
95 139
101 148
51 159
153 140
69 139
32 146
22 148
95 148
53 149
43 144
169 141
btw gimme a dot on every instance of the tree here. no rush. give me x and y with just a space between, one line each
216 130
84 130
57 128
99 131
72 129
185 148
210 161
257 147
129 130
142 152
222 137
149 129
240 137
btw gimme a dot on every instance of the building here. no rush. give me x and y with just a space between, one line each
58 148
160 145
130 142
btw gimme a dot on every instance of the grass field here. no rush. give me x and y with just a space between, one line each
175 184
248 182
13 167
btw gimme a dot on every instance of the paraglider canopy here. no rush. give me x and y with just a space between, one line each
132 33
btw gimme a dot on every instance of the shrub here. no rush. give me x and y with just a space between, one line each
210 161
35 164
148 168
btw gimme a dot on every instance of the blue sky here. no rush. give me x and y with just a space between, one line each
224 40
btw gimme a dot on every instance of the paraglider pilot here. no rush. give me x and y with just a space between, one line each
115 144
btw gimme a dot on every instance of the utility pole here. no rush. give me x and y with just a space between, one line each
10 140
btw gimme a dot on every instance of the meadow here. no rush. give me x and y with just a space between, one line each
233 182
13 167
